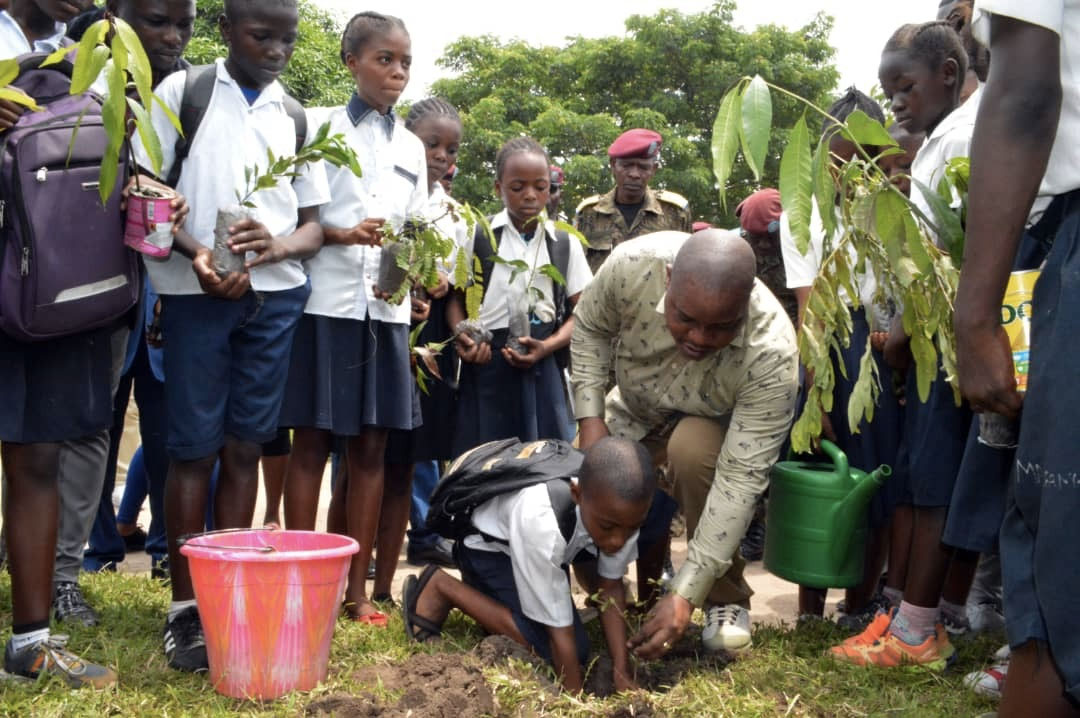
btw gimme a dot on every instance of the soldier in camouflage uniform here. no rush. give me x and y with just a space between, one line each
632 208
759 217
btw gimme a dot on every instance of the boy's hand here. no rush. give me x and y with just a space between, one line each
232 286
249 235
897 349
10 113
473 352
368 232
537 351
439 290
666 624
986 371
623 682
179 205
421 309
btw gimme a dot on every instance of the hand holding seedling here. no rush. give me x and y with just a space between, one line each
665 624
179 204
232 286
368 232
471 351
249 235
9 114
421 308
538 349
441 289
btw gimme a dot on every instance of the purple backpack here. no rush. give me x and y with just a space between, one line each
64 268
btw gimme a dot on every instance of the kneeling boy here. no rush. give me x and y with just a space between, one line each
514 568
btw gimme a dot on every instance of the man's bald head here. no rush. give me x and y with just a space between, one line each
716 260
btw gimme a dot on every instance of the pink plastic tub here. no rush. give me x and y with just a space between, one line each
268 601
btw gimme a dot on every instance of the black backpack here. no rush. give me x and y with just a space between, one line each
558 254
198 89
500 467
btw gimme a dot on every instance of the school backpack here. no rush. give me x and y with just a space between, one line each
558 248
64 268
500 467
198 89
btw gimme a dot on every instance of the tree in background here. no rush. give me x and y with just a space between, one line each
314 75
668 73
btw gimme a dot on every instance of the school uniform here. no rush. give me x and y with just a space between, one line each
878 441
936 430
350 362
495 400
227 359
1039 550
520 558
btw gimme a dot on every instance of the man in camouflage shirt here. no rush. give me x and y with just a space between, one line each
632 208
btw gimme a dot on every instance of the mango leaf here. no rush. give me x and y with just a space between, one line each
824 187
169 114
926 362
571 230
113 116
59 54
917 243
151 143
552 272
950 231
796 184
725 139
138 64
9 70
889 209
756 124
430 360
86 72
866 131
14 94
865 392
474 293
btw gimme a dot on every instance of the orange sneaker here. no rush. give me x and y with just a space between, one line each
877 628
935 653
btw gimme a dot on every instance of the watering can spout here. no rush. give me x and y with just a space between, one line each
850 511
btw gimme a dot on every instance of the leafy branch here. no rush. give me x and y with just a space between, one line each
869 226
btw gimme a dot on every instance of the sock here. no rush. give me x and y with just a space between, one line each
955 612
914 624
21 640
894 595
177 606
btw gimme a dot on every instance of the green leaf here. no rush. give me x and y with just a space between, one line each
149 138
756 124
824 187
9 70
918 243
926 362
136 61
796 184
113 116
889 209
725 139
14 94
950 231
169 114
57 55
87 70
552 272
572 231
866 131
864 393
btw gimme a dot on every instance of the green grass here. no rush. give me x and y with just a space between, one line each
786 674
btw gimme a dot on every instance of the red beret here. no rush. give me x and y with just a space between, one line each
700 225
557 176
759 210
636 143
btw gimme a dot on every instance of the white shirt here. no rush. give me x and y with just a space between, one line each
393 186
801 269
13 40
494 313
233 135
951 138
526 522
1062 17
438 211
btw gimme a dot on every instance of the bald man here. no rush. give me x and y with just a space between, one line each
706 375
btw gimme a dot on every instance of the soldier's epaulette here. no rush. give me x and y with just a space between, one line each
674 198
587 202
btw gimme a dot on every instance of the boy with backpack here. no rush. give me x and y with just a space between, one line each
546 507
227 339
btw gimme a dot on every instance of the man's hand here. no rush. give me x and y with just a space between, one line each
232 286
472 352
666 623
538 349
590 431
10 113
985 369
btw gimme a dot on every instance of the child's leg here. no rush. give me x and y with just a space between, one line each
238 484
877 547
363 492
274 469
812 601
1034 687
900 537
186 490
304 476
393 518
31 509
443 592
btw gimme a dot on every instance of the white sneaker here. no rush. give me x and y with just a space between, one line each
727 628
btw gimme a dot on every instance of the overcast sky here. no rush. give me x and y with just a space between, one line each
860 30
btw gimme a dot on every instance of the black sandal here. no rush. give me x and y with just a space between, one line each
417 628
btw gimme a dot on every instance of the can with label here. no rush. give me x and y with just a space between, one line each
1016 318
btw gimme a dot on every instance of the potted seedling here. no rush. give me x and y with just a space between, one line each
323 147
410 256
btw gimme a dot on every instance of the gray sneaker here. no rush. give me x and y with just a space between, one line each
49 657
70 605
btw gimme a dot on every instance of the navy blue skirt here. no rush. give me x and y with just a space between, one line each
433 440
497 401
348 374
56 390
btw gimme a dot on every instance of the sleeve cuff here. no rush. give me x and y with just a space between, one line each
693 583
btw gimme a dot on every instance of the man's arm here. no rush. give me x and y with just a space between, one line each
1014 133
596 324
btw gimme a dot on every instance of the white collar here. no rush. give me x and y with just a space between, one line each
273 92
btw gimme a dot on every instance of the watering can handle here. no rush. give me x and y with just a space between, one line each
838 457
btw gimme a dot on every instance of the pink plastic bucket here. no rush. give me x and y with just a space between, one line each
147 228
268 601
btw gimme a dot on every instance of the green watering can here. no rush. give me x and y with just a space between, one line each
817 520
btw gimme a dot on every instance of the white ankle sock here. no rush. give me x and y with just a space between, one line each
20 641
895 595
177 606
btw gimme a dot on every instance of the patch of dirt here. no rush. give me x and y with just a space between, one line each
638 707
442 685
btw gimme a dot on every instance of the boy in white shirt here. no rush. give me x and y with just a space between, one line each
227 339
